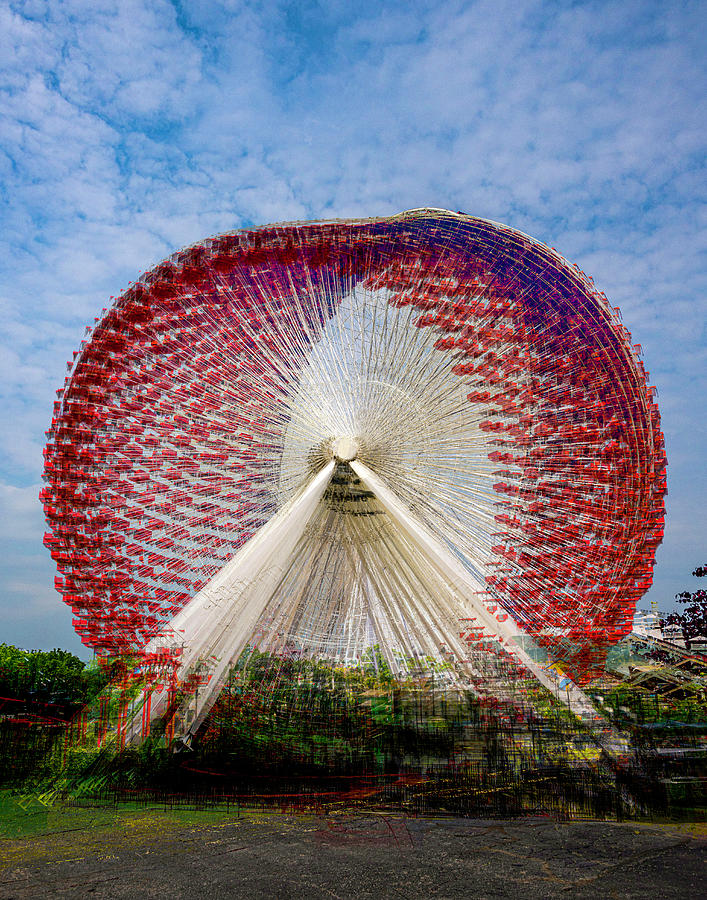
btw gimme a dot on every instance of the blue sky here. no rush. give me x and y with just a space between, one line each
129 129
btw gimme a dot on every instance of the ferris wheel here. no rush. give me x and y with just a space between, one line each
420 434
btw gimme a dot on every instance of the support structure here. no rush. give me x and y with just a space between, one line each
216 626
500 625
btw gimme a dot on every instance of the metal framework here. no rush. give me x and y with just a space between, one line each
428 434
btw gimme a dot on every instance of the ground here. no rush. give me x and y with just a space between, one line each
131 852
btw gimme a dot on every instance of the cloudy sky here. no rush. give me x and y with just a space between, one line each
133 127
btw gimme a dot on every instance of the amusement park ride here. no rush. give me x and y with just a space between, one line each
427 434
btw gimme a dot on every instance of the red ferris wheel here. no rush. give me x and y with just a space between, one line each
447 364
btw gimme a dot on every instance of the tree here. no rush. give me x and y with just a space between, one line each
53 676
693 619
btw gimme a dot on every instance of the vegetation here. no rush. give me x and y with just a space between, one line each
693 618
304 730
54 678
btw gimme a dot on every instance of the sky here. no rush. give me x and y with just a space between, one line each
129 129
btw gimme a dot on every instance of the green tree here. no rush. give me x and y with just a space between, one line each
693 618
53 676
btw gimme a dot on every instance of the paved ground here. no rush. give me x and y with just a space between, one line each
157 853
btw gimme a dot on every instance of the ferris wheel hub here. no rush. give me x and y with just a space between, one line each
345 448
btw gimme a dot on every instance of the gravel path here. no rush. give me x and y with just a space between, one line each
150 853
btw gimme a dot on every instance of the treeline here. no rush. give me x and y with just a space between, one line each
54 677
